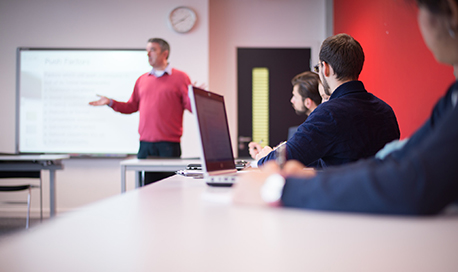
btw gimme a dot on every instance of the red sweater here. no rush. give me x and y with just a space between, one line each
161 102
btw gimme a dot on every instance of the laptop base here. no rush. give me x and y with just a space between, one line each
220 184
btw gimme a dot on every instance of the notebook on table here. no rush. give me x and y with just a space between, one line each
209 110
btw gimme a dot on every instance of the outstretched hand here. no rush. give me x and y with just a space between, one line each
202 86
101 102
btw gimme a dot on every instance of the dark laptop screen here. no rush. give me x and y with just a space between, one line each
214 130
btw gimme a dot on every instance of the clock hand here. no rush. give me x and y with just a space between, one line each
181 20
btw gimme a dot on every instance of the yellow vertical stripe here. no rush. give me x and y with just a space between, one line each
260 106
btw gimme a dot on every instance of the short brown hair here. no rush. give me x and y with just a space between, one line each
162 43
344 54
308 86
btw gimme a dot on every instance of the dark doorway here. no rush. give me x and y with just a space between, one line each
282 65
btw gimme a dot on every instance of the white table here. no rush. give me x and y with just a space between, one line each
152 165
26 163
181 224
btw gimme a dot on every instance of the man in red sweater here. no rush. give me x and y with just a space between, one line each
161 96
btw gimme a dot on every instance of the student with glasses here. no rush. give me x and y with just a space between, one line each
353 124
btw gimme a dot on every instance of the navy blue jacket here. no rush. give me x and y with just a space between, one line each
419 179
352 125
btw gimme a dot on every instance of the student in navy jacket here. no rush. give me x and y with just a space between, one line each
353 124
419 179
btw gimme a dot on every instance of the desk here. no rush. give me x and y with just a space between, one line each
26 163
152 165
178 224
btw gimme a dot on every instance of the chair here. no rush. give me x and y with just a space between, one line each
15 188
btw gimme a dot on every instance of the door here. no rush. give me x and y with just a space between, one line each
264 87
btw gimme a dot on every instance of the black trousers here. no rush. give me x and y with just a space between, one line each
158 150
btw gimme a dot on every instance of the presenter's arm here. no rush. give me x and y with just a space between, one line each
101 102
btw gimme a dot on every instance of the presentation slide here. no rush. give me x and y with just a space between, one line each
54 89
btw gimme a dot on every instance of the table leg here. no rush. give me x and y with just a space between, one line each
137 179
41 198
123 179
52 193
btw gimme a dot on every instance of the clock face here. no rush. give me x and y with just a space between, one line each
182 19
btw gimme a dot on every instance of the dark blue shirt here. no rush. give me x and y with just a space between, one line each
353 124
420 178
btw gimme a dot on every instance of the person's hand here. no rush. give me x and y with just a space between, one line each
254 149
202 86
264 152
247 190
101 102
297 169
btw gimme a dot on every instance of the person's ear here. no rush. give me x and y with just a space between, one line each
454 15
327 69
166 53
308 102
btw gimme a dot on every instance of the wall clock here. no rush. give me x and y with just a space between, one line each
182 19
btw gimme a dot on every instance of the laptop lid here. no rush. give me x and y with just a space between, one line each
215 141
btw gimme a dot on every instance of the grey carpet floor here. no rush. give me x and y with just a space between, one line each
10 226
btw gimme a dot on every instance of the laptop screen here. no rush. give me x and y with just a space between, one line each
214 131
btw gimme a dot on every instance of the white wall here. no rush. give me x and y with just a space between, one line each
210 49
94 24
259 23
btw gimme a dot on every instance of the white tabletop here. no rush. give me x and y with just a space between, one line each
181 224
159 162
33 157
24 163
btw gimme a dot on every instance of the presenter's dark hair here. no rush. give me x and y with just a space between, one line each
162 43
344 54
308 86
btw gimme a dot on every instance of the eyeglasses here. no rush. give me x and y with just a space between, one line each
316 68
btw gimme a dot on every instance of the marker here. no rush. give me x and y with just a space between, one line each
260 142
256 148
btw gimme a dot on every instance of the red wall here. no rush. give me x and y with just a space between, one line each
399 68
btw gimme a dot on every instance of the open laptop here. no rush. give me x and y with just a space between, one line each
218 164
